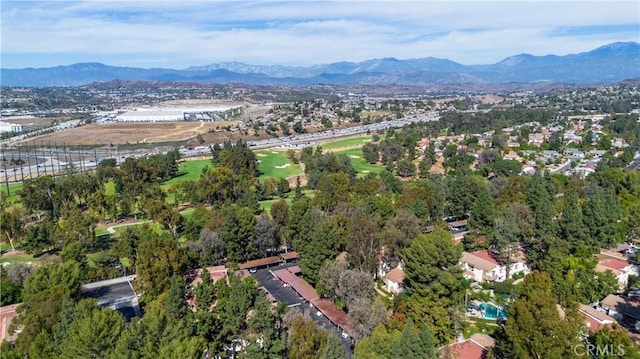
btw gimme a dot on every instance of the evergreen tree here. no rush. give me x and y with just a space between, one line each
410 344
537 326
433 279
572 226
177 308
204 291
334 349
482 212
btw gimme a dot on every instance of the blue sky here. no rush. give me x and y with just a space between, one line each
179 34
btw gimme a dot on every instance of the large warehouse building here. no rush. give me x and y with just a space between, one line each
213 113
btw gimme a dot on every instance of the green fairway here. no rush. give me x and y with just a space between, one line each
110 188
13 191
358 162
346 142
189 171
266 205
275 164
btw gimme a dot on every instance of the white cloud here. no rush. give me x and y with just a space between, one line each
308 32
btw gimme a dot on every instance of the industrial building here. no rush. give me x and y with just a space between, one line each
213 113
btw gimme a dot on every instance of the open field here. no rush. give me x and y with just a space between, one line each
358 162
346 142
122 133
275 164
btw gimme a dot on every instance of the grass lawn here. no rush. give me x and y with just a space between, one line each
266 205
19 258
13 191
346 142
358 162
189 171
275 164
479 327
110 188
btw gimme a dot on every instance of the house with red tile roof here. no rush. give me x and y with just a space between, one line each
620 266
486 266
394 281
475 347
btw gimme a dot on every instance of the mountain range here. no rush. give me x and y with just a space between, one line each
607 64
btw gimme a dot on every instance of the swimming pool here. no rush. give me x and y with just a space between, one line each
492 312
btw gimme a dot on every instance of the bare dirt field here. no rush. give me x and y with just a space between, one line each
122 133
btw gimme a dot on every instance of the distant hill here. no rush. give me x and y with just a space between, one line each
610 63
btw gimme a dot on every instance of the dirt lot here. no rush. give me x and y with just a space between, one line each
121 133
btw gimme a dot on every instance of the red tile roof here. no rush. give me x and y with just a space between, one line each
396 275
294 269
487 256
614 264
468 350
298 284
260 262
289 255
334 314
7 313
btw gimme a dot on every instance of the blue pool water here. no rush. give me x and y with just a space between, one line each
492 312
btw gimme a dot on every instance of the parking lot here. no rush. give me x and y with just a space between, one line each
287 295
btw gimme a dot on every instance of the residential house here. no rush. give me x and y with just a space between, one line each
619 265
475 347
486 266
624 310
595 319
394 281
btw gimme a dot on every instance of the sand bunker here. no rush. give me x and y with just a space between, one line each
261 155
274 152
284 166
354 156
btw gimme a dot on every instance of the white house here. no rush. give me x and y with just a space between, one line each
619 266
395 281
485 266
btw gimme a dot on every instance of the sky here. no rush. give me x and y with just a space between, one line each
179 34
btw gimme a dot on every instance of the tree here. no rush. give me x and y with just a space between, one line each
334 348
93 334
482 212
536 328
414 344
204 291
67 276
238 233
610 342
406 168
280 215
433 279
378 345
572 226
11 226
364 242
176 305
364 315
265 235
210 249
306 340
158 259
370 152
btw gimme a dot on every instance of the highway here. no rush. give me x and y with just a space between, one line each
54 160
